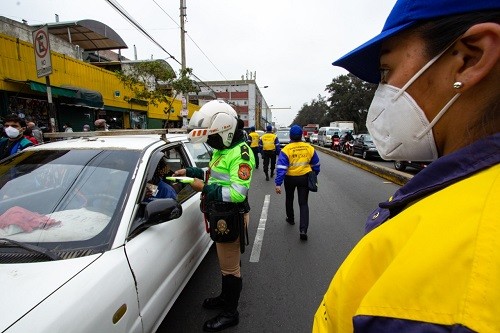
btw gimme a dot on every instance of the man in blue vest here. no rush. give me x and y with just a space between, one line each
15 141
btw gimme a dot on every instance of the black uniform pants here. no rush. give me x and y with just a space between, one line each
269 156
299 182
256 155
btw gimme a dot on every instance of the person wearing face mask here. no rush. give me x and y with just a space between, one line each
15 141
224 189
430 261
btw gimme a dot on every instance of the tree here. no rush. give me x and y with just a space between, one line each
350 99
155 82
313 113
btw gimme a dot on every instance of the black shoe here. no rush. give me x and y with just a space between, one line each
303 235
222 321
214 303
267 177
290 221
272 174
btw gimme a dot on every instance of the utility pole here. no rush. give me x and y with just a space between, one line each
185 96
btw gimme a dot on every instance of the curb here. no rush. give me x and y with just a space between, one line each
395 176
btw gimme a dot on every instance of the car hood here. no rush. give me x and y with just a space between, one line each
24 286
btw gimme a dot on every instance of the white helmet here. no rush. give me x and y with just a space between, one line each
215 117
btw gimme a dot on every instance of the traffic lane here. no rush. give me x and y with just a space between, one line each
282 291
294 274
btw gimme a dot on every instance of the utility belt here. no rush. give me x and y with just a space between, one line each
225 221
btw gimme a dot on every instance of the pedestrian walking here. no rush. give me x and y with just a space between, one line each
224 200
100 125
295 162
15 141
254 145
269 147
37 132
430 261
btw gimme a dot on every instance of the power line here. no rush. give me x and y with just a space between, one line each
128 17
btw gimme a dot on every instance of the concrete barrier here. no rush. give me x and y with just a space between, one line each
393 175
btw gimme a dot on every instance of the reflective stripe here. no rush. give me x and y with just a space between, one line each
299 164
220 176
240 189
279 166
317 164
226 195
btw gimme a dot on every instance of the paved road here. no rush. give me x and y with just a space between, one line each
284 285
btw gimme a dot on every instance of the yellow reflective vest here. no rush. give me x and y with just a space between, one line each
268 141
254 143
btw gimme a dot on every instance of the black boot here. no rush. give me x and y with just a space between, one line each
218 302
229 316
267 175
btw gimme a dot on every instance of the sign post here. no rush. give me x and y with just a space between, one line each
41 44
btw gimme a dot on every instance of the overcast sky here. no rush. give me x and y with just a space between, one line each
290 44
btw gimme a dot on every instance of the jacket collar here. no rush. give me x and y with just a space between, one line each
441 173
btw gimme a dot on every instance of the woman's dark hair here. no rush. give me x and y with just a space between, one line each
440 33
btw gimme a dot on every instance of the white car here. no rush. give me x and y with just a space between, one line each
80 248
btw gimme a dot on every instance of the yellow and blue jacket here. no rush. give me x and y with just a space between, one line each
296 159
430 261
269 142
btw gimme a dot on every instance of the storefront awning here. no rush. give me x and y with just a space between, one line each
56 91
71 95
85 97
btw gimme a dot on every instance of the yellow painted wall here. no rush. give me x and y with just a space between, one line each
17 62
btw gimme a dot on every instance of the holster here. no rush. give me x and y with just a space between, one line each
226 222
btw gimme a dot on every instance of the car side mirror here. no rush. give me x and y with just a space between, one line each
162 210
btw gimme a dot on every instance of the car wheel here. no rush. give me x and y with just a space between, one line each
398 165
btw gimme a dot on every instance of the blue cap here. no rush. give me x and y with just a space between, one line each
269 128
364 61
295 130
252 128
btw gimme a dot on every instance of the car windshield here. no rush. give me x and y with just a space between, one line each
64 199
368 138
331 132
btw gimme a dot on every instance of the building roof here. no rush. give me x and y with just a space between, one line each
90 35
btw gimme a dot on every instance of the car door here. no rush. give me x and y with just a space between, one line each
164 256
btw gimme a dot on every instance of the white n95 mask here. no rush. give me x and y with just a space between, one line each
398 126
12 132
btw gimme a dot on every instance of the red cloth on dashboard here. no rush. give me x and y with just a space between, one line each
25 219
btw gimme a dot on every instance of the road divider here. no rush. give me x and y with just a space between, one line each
395 176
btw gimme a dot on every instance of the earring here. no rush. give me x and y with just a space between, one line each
458 85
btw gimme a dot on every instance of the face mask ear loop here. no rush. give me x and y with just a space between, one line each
438 116
417 74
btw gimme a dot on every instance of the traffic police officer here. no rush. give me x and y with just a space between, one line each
269 146
227 180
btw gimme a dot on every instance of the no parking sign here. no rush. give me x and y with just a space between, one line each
42 51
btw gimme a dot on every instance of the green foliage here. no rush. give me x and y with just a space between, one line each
349 100
154 81
312 113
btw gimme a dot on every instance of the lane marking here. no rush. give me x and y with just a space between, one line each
259 236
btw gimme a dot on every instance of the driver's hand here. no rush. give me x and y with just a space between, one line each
180 173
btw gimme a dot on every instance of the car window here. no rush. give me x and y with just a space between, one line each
201 153
69 198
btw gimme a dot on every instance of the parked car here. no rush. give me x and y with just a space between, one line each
364 146
283 135
81 250
402 165
314 138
